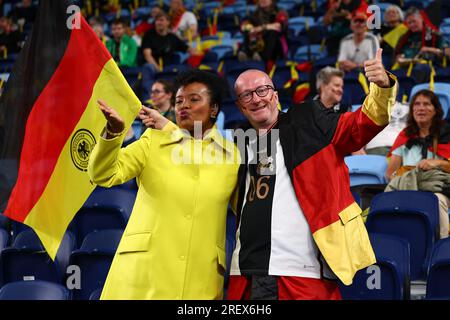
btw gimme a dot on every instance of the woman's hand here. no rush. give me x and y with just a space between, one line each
151 118
428 164
115 123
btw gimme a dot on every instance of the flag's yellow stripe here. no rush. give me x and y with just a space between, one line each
69 187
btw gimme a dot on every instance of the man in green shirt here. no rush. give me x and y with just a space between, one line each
122 48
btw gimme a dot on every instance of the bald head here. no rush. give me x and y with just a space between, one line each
252 75
257 98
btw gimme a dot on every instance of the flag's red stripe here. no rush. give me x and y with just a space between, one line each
54 117
322 208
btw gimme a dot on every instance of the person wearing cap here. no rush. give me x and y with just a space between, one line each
358 46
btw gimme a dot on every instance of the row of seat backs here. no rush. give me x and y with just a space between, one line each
27 260
439 271
411 215
408 219
388 279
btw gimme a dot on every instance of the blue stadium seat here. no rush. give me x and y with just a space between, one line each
366 169
96 294
131 74
34 290
412 215
234 69
442 90
27 259
4 239
231 113
310 52
222 51
4 222
439 271
388 279
94 259
405 83
104 209
353 89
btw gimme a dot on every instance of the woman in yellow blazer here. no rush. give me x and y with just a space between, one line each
174 244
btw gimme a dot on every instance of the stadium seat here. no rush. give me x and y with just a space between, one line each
34 290
442 90
222 51
4 239
310 53
439 271
412 215
26 259
94 259
5 223
104 209
131 74
232 114
353 88
96 294
366 169
405 83
388 279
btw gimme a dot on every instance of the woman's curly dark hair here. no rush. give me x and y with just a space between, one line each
217 89
412 129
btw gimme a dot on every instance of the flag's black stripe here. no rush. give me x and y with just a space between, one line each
33 69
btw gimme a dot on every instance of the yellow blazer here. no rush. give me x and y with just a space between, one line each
174 244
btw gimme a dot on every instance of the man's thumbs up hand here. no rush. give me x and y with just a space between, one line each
375 72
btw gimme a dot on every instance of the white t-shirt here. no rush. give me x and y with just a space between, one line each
365 50
292 250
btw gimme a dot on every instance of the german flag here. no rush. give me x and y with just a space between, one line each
50 121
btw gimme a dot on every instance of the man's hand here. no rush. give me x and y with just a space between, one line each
375 71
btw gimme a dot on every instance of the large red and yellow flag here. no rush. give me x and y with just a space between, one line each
50 121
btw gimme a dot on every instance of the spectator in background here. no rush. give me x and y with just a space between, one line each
421 42
10 40
330 88
123 49
184 23
24 13
162 100
424 144
265 34
393 16
96 24
337 19
149 23
358 46
158 45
